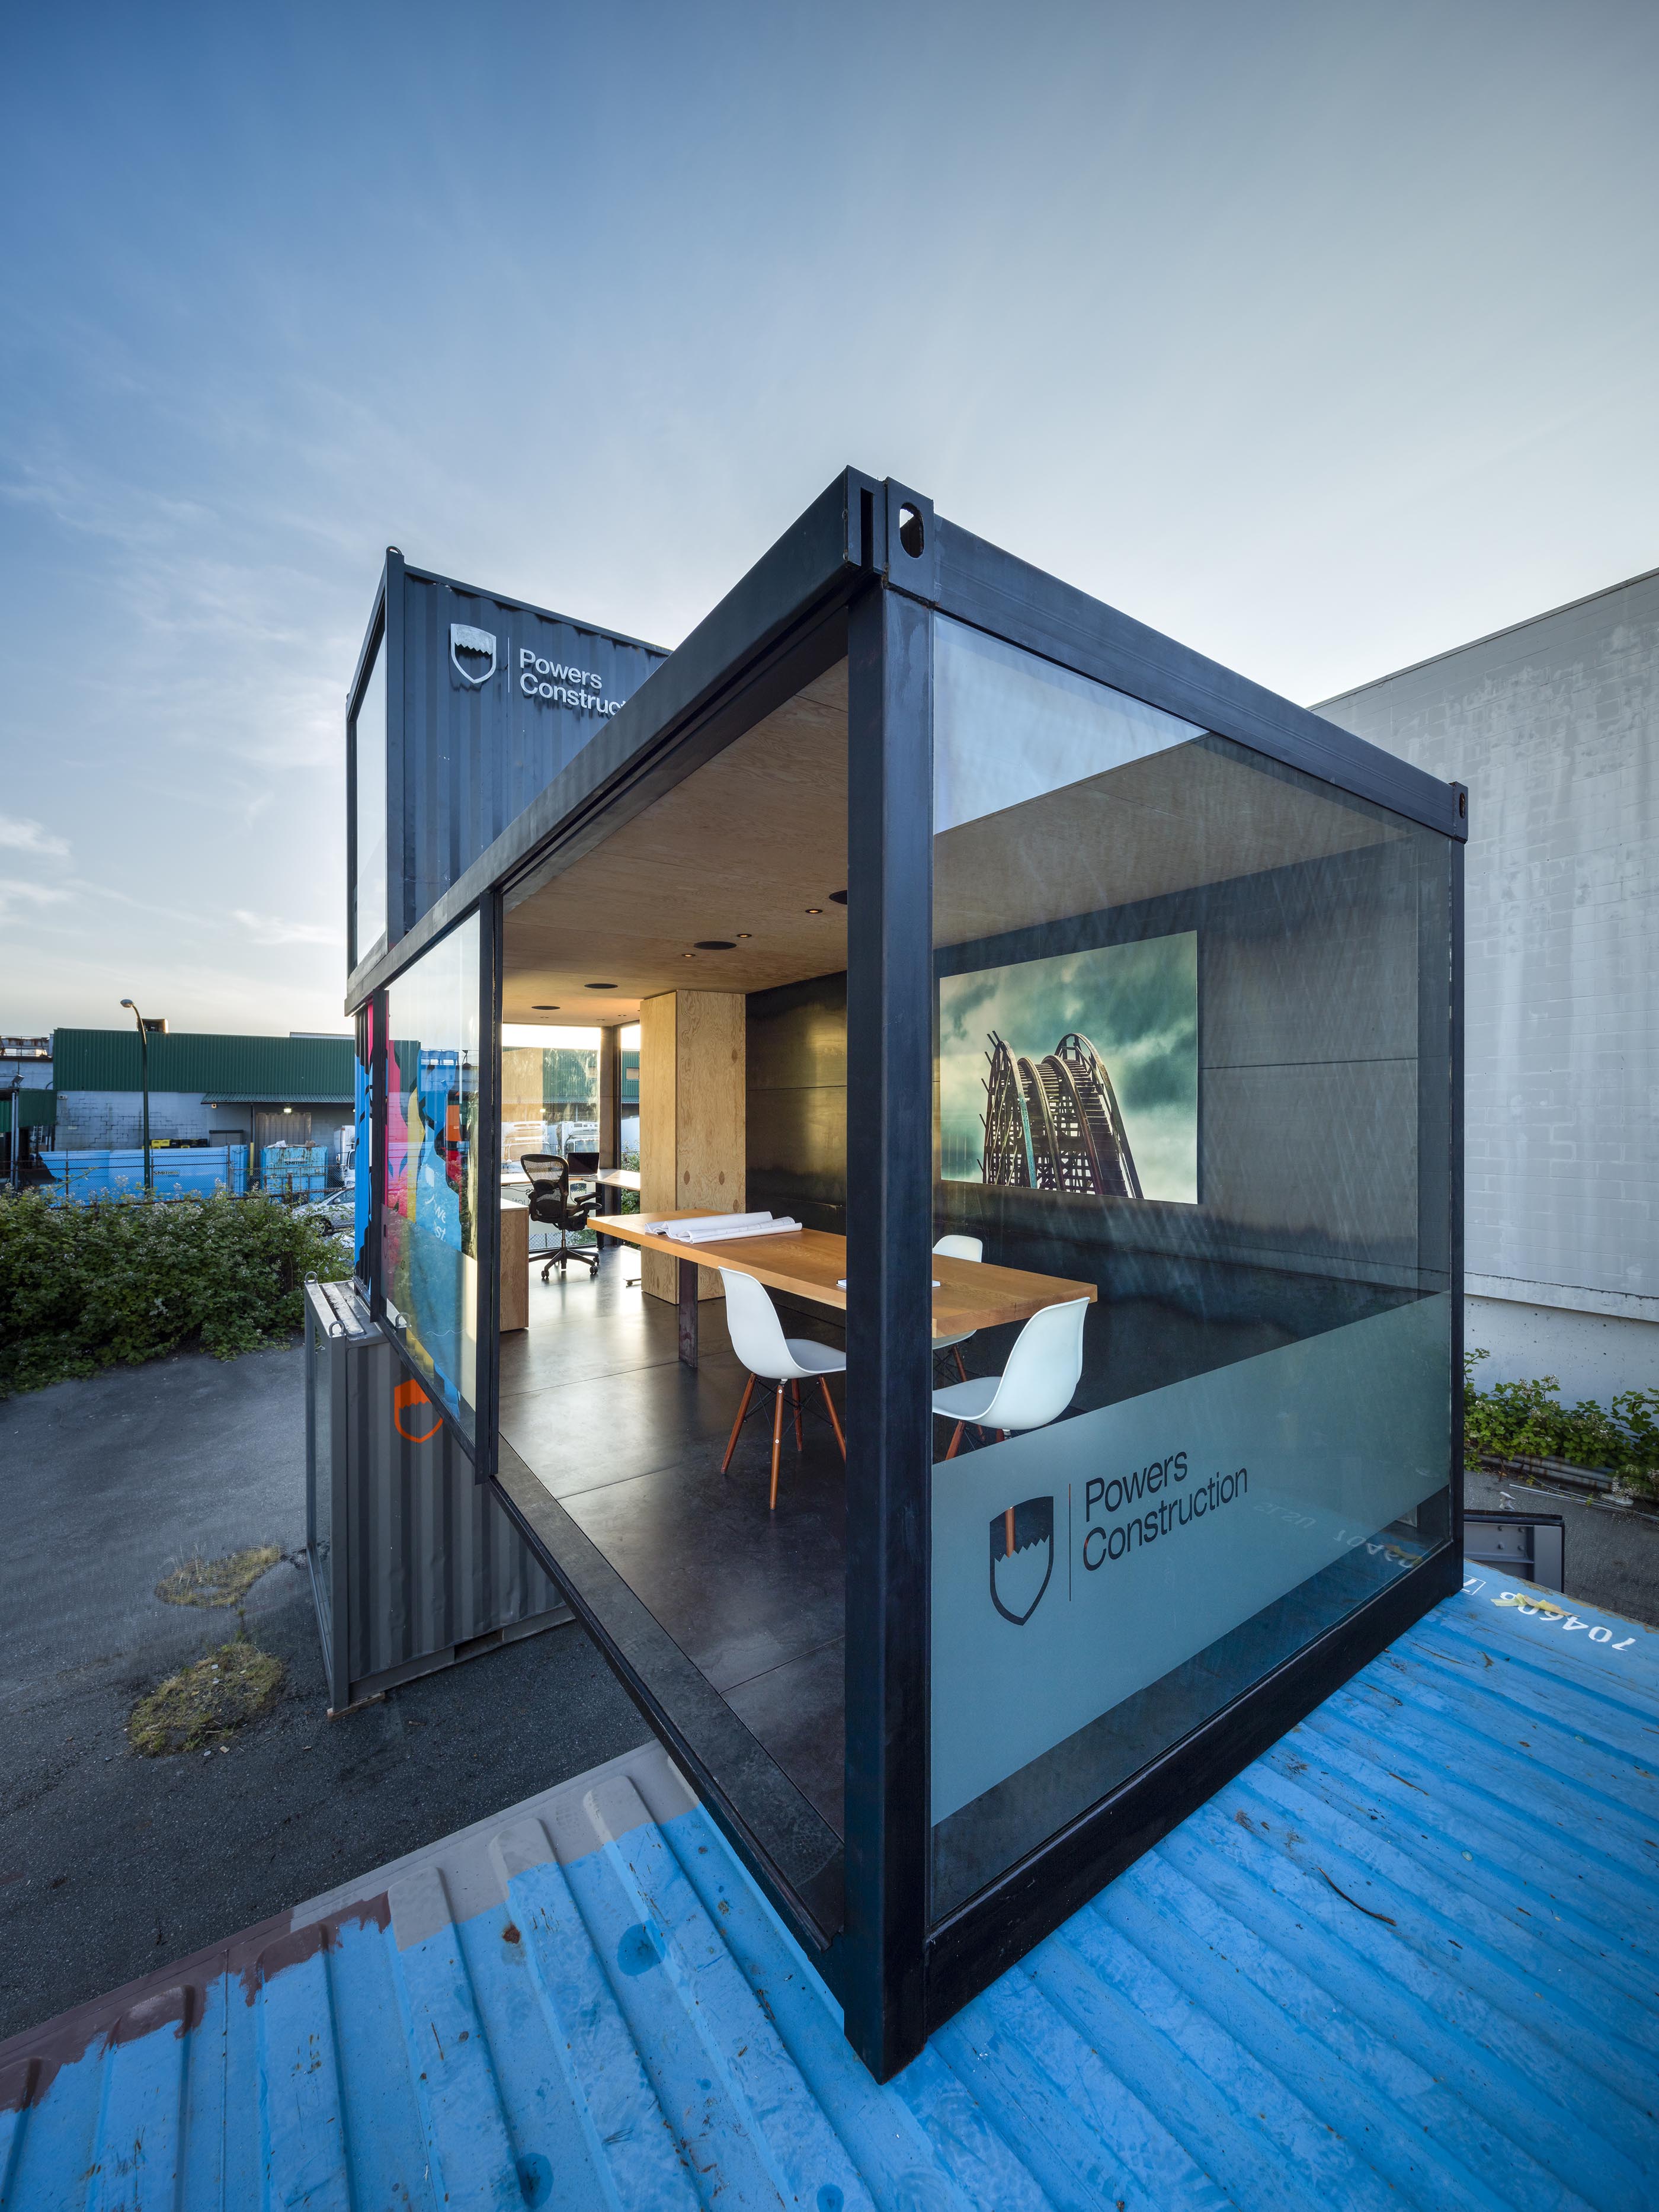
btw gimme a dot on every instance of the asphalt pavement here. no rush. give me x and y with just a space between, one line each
112 1864
1610 1551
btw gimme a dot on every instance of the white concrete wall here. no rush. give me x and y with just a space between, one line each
103 1120
1591 1355
1554 726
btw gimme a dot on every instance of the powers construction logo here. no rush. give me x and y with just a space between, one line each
409 1403
471 654
1021 1557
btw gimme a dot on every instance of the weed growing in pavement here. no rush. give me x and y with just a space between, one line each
217 1582
204 1706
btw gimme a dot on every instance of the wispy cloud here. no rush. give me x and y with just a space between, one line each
21 834
272 929
14 893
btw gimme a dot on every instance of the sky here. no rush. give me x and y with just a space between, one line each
1319 336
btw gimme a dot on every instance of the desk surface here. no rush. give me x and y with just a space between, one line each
619 1178
809 1264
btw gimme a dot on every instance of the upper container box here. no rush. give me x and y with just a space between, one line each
489 699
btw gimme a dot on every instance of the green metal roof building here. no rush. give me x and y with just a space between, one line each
285 1070
203 1089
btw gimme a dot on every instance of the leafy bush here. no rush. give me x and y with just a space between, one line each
82 1287
1527 1420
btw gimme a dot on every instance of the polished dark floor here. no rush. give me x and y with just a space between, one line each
595 1399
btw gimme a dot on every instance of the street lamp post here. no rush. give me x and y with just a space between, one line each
144 1030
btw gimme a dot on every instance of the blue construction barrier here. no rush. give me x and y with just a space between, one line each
294 1171
181 1171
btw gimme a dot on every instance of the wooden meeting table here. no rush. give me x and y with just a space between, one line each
812 1264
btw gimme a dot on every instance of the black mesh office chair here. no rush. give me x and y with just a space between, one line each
550 1201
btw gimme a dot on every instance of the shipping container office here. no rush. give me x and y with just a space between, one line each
1043 931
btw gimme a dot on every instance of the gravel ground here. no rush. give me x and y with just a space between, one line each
112 1864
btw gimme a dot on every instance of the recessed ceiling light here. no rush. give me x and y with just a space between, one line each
815 909
741 934
715 945
687 955
598 986
837 898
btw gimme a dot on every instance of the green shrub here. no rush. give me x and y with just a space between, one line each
1527 1420
83 1288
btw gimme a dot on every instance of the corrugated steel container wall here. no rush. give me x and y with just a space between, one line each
37 1109
430 1559
1405 1959
473 756
278 1069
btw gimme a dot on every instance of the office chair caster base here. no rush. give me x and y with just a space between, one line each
560 1260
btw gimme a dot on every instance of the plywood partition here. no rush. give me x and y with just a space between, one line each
691 1117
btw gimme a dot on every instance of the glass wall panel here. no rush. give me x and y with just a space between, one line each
629 1156
1193 1071
429 1206
368 738
549 1092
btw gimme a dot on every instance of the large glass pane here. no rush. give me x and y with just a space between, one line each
550 1092
1193 1038
369 739
429 1209
629 1152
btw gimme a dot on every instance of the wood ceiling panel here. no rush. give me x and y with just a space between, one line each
747 842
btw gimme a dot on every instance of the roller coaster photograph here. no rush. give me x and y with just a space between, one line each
1053 1124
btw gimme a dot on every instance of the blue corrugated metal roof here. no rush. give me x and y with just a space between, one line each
1406 1959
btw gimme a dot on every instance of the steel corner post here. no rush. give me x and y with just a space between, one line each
889 1191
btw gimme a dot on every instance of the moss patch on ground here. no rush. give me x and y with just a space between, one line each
206 1703
217 1582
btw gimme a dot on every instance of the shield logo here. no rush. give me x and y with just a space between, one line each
408 1398
1022 1542
471 654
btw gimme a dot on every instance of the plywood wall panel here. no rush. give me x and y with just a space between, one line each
691 1117
658 1137
709 1108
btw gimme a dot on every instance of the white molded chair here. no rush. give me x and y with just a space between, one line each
1033 1390
758 1337
958 1248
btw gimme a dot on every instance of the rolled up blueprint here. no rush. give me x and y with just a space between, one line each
672 1226
727 1227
